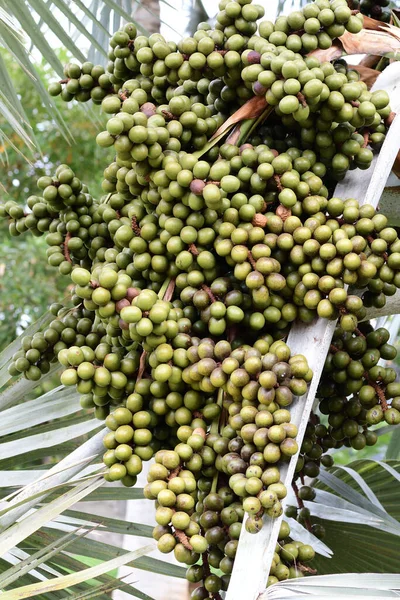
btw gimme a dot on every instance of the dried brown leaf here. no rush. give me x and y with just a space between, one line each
335 51
251 109
370 61
234 135
370 41
374 25
393 30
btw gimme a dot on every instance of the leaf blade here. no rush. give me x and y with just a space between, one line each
35 560
393 449
79 26
47 440
46 14
21 530
58 402
38 39
69 580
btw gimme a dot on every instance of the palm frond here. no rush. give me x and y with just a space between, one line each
106 524
348 503
306 537
100 550
66 581
49 439
393 450
24 26
35 560
61 473
57 403
20 530
374 586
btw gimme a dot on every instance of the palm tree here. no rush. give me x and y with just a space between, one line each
48 542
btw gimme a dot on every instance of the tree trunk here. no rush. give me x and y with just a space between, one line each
147 14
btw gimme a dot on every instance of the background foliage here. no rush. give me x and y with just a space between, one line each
27 284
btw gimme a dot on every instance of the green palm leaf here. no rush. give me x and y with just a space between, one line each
356 547
61 583
393 450
50 438
21 530
106 524
32 561
59 402
102 551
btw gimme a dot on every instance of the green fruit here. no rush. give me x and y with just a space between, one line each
55 89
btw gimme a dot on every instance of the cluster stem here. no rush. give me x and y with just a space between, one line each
65 248
209 292
300 504
135 226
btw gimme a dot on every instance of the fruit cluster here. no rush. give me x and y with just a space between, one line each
355 393
70 326
377 9
217 230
